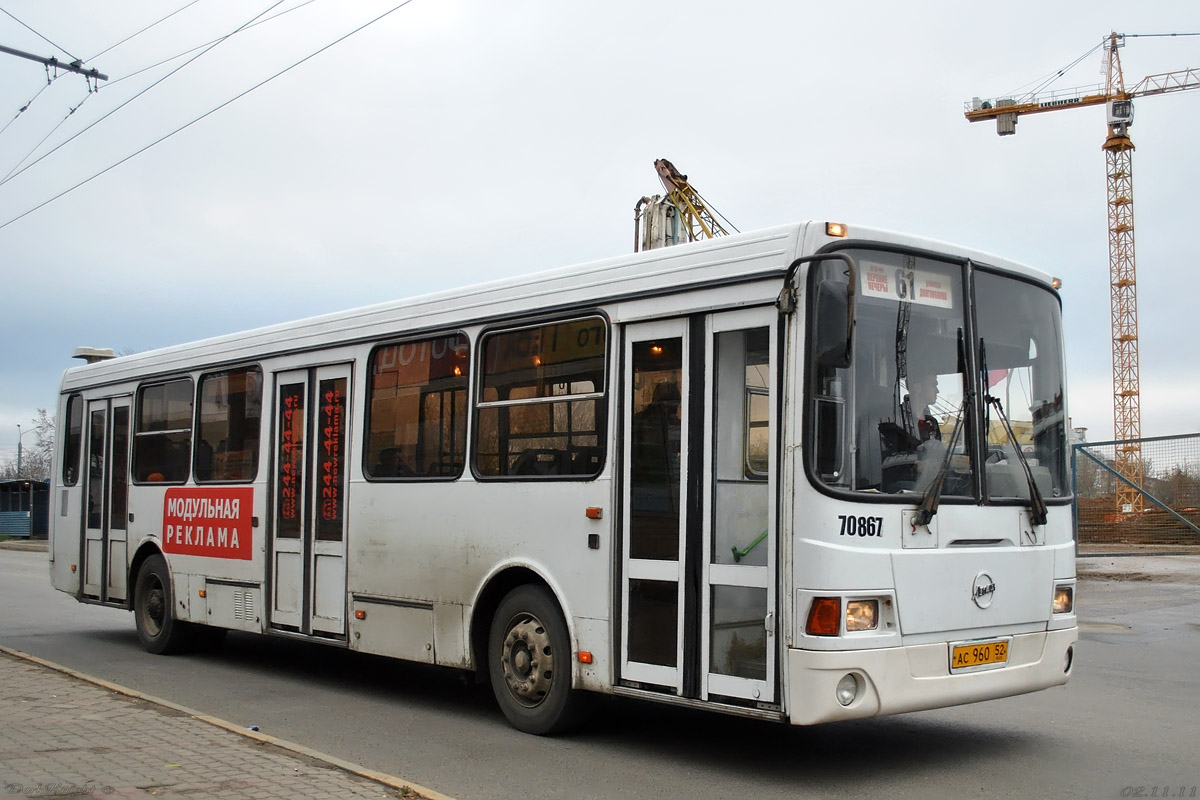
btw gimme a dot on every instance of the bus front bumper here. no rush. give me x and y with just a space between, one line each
917 677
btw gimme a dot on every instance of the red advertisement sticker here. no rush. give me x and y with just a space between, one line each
209 522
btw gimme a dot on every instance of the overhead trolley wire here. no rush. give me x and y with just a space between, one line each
25 107
208 113
143 30
47 136
96 122
43 38
206 44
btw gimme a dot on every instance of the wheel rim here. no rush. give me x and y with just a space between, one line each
528 660
154 608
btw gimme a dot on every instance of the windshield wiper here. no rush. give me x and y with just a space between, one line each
933 492
1037 503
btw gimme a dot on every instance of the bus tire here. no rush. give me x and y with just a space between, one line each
153 610
529 662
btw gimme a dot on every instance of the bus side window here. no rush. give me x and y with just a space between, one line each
541 401
162 438
228 425
73 444
417 409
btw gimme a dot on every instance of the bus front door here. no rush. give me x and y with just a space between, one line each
699 554
105 547
308 542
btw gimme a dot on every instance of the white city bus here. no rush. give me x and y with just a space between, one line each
714 475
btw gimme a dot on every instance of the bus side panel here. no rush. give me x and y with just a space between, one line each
430 545
190 573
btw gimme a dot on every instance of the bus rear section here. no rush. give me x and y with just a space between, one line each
933 561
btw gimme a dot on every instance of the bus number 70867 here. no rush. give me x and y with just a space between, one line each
861 526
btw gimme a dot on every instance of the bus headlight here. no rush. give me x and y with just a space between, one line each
1064 599
862 615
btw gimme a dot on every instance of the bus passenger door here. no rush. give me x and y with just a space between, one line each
654 485
105 559
738 639
699 554
308 543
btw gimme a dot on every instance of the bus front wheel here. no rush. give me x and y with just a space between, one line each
529 662
153 610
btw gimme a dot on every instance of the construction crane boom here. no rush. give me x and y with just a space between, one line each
682 215
699 220
1118 150
1080 96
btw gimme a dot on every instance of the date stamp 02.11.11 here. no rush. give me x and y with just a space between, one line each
1160 791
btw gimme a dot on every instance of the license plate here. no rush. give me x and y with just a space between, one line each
969 656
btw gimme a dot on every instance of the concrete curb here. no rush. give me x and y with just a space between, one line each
26 545
391 781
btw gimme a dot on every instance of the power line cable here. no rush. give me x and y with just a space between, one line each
25 107
143 30
47 136
96 122
43 38
206 44
208 113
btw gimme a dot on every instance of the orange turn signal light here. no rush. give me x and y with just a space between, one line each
837 229
824 617
360 614
585 657
202 592
594 512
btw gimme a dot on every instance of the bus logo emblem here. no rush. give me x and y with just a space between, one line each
983 590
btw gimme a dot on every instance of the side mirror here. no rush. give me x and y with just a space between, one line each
833 328
833 308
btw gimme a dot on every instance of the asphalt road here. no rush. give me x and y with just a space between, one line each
1125 726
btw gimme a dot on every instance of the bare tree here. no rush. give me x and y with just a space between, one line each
36 460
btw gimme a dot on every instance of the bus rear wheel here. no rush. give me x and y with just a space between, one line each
153 610
529 662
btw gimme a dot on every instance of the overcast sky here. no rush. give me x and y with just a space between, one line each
461 140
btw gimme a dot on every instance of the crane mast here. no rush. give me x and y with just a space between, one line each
1122 271
1118 153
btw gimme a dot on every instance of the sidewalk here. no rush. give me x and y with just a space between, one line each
62 736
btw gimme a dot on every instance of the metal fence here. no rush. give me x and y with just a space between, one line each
1167 512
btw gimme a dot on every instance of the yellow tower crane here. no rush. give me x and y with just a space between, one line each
1118 151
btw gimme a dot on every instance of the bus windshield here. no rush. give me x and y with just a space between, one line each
906 405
